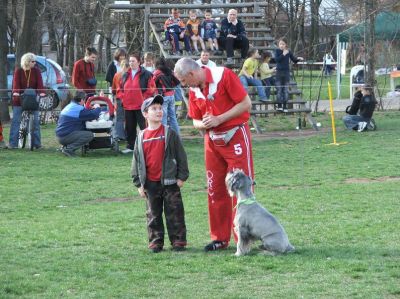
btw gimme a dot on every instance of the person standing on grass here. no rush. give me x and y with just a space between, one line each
267 74
137 84
282 77
248 74
118 92
219 107
83 75
71 130
115 65
27 76
361 110
166 83
159 170
2 142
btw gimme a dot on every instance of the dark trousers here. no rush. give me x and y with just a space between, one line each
169 199
76 139
282 79
132 119
229 44
174 38
268 82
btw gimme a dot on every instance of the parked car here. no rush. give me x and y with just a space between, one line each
53 76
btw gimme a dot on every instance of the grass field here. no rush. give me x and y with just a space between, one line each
76 228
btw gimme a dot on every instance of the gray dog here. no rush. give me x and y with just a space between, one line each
252 221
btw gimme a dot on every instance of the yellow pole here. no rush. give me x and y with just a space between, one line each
332 116
332 113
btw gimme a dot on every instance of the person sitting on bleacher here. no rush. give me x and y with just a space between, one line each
248 74
209 32
233 36
205 60
193 27
175 31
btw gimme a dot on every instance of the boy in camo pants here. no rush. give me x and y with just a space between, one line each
159 169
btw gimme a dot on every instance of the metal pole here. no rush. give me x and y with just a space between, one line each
146 27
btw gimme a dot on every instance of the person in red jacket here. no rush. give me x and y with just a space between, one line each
137 85
27 76
83 75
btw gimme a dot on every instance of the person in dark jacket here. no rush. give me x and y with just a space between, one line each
361 110
71 131
282 77
115 65
233 36
159 170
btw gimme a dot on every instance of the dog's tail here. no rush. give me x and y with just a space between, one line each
289 248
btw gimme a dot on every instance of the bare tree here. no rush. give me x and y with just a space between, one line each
4 115
370 12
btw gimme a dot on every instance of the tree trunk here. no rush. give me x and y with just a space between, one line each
314 34
370 12
27 39
4 114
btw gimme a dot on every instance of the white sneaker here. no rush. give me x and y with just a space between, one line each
285 110
362 125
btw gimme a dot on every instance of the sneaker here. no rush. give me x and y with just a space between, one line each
156 249
285 110
127 151
215 245
372 125
68 153
217 53
263 100
178 248
362 126
229 60
279 109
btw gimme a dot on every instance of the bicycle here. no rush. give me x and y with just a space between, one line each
27 126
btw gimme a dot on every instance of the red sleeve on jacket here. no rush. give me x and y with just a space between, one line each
151 89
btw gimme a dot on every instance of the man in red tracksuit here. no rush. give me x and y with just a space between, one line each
219 106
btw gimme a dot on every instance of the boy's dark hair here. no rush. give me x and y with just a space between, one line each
265 55
208 11
90 50
251 52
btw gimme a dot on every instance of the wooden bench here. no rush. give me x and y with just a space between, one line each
265 108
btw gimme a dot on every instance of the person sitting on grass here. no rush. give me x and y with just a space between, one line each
361 110
248 74
71 130
159 169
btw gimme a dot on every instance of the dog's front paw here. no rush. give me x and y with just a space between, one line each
238 253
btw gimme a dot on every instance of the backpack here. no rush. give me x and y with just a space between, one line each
166 83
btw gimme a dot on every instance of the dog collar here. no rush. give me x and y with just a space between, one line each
246 201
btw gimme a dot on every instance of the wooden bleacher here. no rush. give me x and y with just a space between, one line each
259 35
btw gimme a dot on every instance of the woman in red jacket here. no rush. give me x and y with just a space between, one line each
28 76
83 75
137 85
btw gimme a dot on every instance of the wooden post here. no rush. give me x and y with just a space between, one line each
146 27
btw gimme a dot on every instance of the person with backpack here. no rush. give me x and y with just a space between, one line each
166 82
137 85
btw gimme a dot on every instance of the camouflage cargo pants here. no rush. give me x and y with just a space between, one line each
169 199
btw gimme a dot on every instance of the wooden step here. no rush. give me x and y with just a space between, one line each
201 16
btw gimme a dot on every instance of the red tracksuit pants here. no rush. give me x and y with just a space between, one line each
219 161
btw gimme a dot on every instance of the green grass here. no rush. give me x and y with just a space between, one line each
76 228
